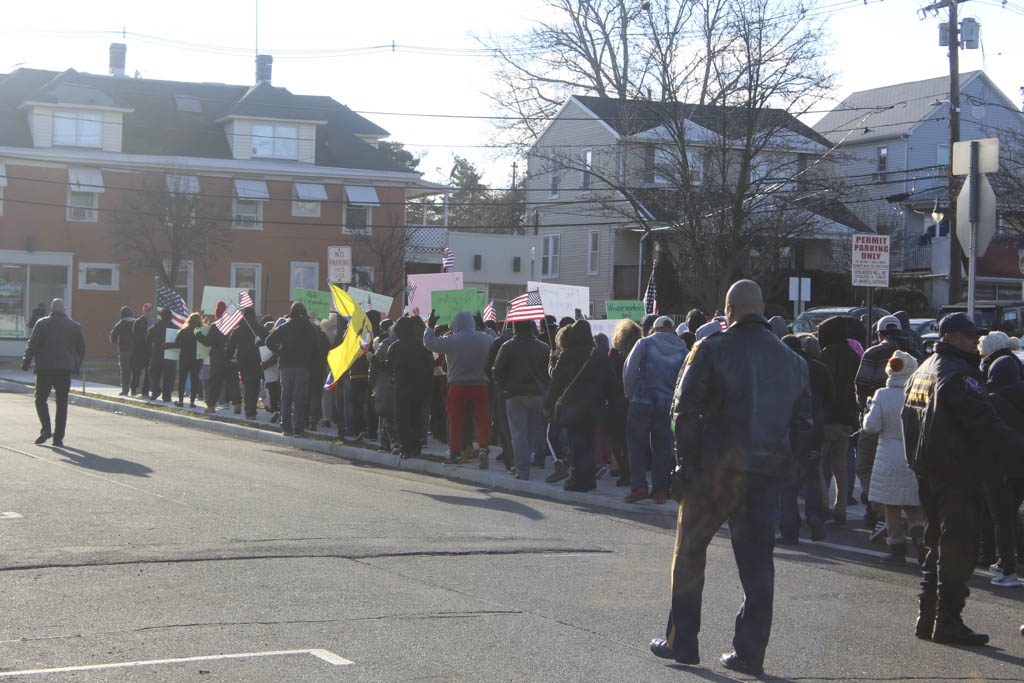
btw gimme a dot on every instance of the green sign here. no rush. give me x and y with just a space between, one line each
447 302
625 309
316 303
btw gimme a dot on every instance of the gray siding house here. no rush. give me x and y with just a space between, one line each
893 146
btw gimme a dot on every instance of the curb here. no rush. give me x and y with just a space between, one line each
495 479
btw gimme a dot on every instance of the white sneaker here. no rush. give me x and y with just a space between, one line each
1005 580
996 569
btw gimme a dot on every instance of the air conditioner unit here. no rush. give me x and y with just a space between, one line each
245 219
81 214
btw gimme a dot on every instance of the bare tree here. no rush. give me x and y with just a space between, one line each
165 222
386 244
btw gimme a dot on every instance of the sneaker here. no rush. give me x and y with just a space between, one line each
561 472
360 436
880 533
275 418
659 648
1001 579
817 529
659 497
483 453
601 471
636 495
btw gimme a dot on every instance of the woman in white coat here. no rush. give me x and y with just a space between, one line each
893 483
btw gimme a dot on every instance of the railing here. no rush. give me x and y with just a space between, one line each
425 240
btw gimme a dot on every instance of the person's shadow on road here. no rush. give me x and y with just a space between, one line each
498 503
77 456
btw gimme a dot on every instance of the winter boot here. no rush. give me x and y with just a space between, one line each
897 554
917 538
951 630
927 601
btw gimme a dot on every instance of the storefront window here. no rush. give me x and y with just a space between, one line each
13 319
46 283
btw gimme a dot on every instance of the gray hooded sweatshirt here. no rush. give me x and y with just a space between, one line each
465 350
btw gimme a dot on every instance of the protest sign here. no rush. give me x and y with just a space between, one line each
271 373
419 287
169 337
211 295
447 303
317 303
634 310
605 327
562 300
370 301
202 350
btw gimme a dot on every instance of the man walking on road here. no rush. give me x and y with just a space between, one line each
742 411
58 347
953 437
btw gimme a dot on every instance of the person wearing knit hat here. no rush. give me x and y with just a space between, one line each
893 483
681 329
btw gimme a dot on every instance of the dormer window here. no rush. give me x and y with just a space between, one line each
275 141
77 129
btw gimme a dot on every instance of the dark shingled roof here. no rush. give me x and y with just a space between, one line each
629 117
158 126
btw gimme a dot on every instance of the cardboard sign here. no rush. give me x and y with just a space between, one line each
605 327
419 288
447 303
371 301
616 310
317 303
202 350
212 295
271 373
870 262
562 300
169 337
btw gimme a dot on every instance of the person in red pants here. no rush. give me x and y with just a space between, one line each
466 350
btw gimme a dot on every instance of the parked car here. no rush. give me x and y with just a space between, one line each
809 320
992 315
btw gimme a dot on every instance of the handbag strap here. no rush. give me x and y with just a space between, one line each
582 368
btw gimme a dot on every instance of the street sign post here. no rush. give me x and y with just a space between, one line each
870 268
799 293
976 205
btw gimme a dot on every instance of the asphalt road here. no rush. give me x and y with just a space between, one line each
141 541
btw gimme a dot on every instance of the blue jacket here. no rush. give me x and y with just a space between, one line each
650 373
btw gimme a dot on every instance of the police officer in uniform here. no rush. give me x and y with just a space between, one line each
953 436
742 411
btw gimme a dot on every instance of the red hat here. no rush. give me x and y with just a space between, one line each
147 306
221 307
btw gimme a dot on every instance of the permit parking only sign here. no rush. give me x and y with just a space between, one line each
870 264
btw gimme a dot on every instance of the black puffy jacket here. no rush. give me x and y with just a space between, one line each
140 345
295 343
951 430
243 344
521 366
122 335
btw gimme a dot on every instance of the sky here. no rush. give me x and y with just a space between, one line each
322 48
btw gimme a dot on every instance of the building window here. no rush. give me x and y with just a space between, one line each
362 277
23 287
695 164
82 206
184 280
942 157
550 248
594 256
275 141
587 167
306 199
357 220
883 163
305 209
247 276
77 129
556 179
305 274
658 164
102 276
248 214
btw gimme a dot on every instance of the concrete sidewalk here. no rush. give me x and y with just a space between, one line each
225 421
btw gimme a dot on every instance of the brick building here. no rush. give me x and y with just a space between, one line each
285 176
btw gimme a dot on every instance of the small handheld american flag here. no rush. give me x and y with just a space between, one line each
490 313
651 296
525 307
233 316
448 260
171 300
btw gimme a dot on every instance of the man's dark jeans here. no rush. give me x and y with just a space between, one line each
161 378
951 512
124 362
648 428
748 502
250 390
60 382
140 372
809 483
294 395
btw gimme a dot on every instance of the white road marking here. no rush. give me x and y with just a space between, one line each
9 515
325 655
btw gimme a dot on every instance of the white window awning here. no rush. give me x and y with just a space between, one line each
362 195
3 175
85 180
251 189
310 192
183 184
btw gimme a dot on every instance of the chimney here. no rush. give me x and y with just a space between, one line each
117 52
264 65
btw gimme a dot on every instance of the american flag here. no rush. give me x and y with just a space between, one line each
525 307
233 315
448 261
490 313
171 300
651 296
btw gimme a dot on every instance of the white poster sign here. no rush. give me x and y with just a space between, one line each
419 287
339 264
371 301
870 264
605 327
562 300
